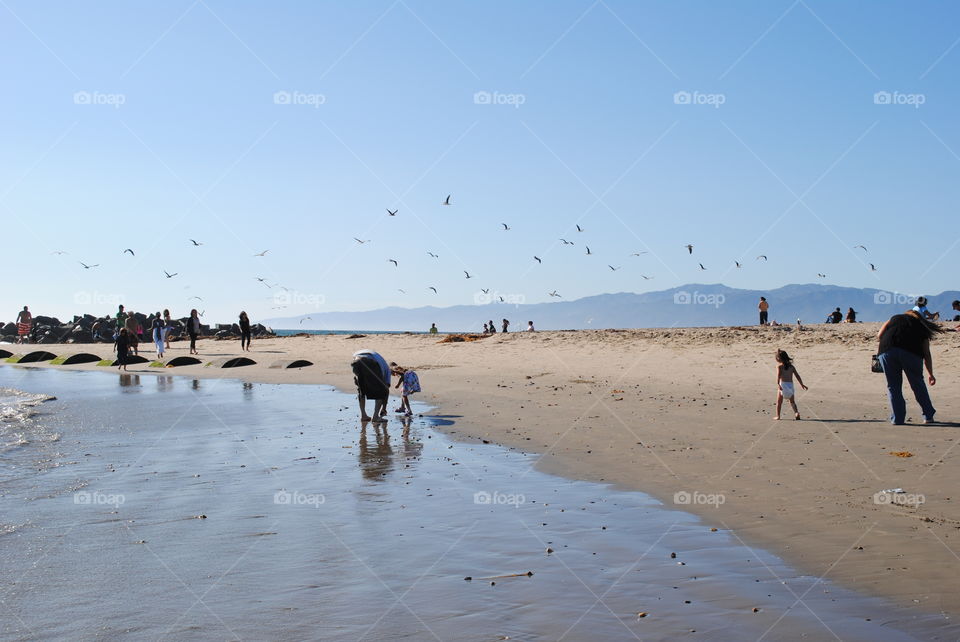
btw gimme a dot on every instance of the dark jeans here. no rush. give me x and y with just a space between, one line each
763 317
244 339
193 341
897 362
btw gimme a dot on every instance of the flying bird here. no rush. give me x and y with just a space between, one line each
738 264
505 227
304 319
501 299
433 255
689 248
762 256
194 297
468 274
401 291
539 260
392 212
873 268
579 229
170 276
87 267
359 241
566 242
701 266
446 201
822 276
613 268
645 277
588 250
394 261
639 253
201 313
485 290
129 250
433 288
196 243
862 247
264 253
58 252
554 293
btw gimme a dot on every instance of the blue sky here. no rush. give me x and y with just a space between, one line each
142 126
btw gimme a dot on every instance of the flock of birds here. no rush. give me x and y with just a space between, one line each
506 228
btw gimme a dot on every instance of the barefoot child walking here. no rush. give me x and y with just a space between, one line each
411 384
785 374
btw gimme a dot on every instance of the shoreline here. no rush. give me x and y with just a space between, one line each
689 411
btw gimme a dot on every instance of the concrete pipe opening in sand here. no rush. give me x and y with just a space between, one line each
80 357
37 357
236 362
297 363
182 361
5 354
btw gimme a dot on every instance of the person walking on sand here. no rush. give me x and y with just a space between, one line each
372 376
168 327
506 324
131 325
411 384
785 374
244 331
193 329
904 349
122 347
763 306
24 325
158 327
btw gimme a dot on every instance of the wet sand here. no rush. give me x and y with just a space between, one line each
182 508
691 411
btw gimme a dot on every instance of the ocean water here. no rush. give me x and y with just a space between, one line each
287 333
157 507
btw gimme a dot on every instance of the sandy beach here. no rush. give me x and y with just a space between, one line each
687 416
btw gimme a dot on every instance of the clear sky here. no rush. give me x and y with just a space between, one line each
144 125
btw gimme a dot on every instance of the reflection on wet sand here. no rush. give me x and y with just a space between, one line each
129 380
376 461
247 391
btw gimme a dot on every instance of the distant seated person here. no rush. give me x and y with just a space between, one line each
433 328
921 309
956 308
835 317
530 326
851 316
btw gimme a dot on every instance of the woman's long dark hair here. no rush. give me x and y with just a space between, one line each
931 329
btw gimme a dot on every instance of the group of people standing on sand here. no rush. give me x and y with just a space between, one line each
490 328
373 375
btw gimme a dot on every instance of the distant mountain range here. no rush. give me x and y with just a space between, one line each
690 305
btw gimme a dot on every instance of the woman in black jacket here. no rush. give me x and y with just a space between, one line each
904 350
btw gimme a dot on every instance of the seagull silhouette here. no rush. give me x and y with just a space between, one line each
873 268
392 212
433 255
304 319
505 227
539 260
689 248
639 253
613 268
862 247
170 276
485 290
762 256
501 299
579 229
359 241
468 274
129 250
394 261
446 201
264 253
588 250
822 276
566 242
401 291
433 288
738 264
701 266
645 277
58 252
196 243
194 297
87 267
554 293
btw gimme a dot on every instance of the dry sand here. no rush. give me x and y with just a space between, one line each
691 410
